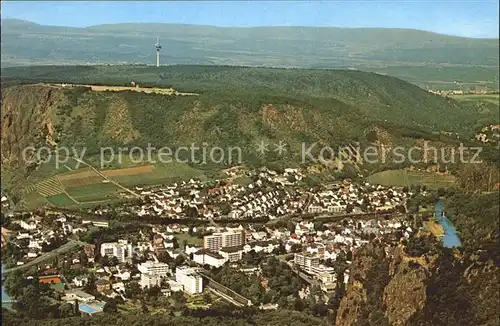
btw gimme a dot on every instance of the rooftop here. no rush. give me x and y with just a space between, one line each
80 294
231 249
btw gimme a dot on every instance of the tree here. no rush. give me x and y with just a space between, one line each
66 310
269 296
113 261
153 291
207 298
132 290
164 257
175 242
104 260
179 260
110 306
255 292
144 308
90 285
296 247
14 284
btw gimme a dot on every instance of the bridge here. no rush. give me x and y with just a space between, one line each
225 292
46 256
219 289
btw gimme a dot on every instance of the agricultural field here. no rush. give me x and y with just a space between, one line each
34 200
155 174
403 178
94 192
79 185
489 98
80 178
61 200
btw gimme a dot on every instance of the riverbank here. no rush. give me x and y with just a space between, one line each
5 235
449 233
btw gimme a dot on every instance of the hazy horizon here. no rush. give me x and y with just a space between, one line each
472 19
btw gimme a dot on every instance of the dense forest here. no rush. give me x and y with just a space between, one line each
202 318
378 96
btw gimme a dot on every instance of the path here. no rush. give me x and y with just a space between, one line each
46 256
66 192
106 178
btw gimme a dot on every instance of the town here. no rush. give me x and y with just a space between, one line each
102 259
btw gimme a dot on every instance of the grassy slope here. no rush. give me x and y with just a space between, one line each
407 178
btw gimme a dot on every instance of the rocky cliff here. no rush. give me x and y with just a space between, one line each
447 287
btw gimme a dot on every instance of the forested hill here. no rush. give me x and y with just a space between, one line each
421 57
361 94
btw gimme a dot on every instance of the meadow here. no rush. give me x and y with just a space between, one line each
81 187
489 98
408 178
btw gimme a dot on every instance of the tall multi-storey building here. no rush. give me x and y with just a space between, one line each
149 280
306 261
153 268
217 241
212 242
121 250
191 281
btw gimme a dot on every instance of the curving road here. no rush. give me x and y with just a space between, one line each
46 256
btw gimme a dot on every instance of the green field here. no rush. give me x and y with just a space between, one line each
61 200
34 200
46 189
403 178
94 192
190 240
161 174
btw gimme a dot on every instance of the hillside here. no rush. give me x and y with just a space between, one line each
226 107
377 96
425 58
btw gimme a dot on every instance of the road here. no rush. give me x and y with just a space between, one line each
46 256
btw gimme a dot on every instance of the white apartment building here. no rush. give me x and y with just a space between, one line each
191 281
148 280
328 281
231 254
306 261
212 242
83 297
153 268
207 257
121 250
29 225
316 248
217 241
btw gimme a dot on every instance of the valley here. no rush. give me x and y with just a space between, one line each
272 175
86 109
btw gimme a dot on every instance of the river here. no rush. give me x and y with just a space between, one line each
450 238
4 295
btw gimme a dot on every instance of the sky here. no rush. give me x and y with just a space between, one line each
473 18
